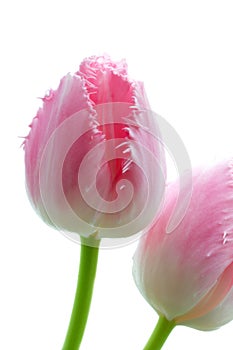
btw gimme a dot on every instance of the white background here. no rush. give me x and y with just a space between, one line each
183 51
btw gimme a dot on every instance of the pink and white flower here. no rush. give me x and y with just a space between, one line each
94 160
187 275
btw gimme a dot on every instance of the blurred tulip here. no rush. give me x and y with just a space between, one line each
187 275
94 161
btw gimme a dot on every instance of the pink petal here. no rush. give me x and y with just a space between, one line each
213 298
70 97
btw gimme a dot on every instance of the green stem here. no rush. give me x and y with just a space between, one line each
160 334
83 296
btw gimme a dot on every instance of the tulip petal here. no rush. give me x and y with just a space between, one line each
69 98
216 318
213 298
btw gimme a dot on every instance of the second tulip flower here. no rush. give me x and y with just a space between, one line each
187 275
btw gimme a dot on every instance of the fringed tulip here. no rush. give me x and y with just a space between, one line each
187 275
95 166
94 161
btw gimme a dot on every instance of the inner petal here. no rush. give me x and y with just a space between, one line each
213 298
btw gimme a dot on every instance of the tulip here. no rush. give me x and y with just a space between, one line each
94 161
187 275
94 166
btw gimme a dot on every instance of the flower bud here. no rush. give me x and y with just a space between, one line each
187 275
94 159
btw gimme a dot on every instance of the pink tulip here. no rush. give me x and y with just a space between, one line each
187 275
94 162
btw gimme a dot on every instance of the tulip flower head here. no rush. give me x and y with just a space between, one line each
94 161
187 275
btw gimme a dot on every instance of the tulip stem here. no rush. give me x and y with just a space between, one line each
160 334
83 296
